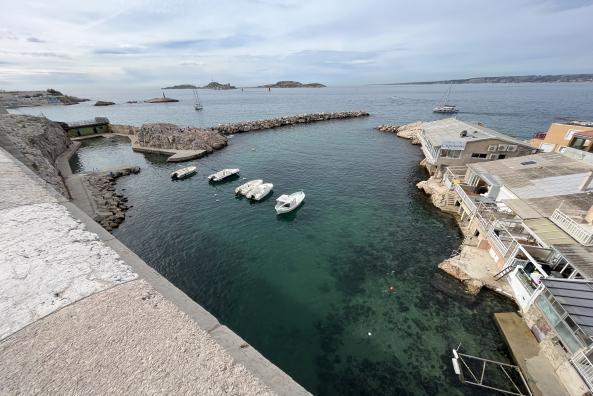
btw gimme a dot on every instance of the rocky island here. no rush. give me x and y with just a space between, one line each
218 86
164 99
292 84
10 99
181 86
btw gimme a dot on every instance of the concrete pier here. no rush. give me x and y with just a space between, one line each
82 314
539 373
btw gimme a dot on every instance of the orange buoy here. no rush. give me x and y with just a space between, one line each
391 289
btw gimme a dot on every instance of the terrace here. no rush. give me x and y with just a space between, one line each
574 224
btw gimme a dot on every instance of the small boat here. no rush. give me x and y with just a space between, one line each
446 108
183 173
223 174
260 191
197 104
245 187
288 203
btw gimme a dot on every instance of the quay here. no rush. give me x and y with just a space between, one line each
80 313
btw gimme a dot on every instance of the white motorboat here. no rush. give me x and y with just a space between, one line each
288 203
183 173
260 191
245 187
223 174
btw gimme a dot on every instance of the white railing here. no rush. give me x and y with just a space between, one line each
429 152
469 203
496 241
452 174
584 366
581 234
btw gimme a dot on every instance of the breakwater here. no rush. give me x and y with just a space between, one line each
407 131
308 118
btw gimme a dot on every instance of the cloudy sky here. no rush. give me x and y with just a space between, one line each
341 42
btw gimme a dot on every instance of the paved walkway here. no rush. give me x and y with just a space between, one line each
82 314
537 368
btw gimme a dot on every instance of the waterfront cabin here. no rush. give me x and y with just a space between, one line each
453 142
97 126
561 137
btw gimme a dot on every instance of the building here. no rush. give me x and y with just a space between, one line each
534 216
452 142
578 136
88 127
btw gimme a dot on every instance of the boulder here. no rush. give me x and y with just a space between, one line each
103 103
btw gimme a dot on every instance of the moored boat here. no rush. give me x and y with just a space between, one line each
183 173
287 203
245 187
223 174
260 191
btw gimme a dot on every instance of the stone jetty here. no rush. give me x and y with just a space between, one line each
249 126
110 206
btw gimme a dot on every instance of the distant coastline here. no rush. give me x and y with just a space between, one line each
508 79
213 85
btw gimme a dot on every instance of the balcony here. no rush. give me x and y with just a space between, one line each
429 152
454 175
572 223
465 199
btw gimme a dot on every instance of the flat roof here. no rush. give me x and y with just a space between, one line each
548 232
544 179
580 257
588 134
576 297
449 129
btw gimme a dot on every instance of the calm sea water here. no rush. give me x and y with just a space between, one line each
311 290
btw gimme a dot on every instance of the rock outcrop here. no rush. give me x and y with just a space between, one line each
170 136
37 142
110 205
472 286
408 131
124 129
103 103
248 126
10 99
164 99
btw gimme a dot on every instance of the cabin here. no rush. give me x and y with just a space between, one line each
452 142
97 126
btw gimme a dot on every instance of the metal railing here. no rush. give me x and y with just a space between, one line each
429 151
469 203
581 234
454 175
584 366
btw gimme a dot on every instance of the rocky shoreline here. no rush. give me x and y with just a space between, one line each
407 131
308 118
110 205
11 99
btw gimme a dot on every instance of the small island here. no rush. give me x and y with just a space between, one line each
218 86
292 84
181 86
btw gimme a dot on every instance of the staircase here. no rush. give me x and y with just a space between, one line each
505 271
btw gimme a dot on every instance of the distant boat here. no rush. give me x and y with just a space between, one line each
183 173
197 104
223 174
245 187
288 203
446 108
260 191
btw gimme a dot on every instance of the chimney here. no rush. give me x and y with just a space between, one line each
585 185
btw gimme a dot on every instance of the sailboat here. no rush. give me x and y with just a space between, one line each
446 108
197 104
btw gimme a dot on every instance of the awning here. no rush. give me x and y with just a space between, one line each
548 232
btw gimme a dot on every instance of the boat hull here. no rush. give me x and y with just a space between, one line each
296 202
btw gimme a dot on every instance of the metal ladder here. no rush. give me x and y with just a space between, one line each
505 271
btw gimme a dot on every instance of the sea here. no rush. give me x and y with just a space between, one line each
343 294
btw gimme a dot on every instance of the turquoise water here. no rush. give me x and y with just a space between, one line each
311 290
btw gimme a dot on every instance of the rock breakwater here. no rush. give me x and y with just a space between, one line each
257 125
110 205
170 136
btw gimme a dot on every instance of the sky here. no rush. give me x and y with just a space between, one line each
337 42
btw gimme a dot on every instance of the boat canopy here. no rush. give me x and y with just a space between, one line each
284 199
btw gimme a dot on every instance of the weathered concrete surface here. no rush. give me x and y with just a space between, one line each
539 372
72 321
125 340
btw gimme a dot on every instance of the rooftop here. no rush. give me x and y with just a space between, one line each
576 297
449 130
579 257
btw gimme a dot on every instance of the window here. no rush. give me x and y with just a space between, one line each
501 156
450 153
479 155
